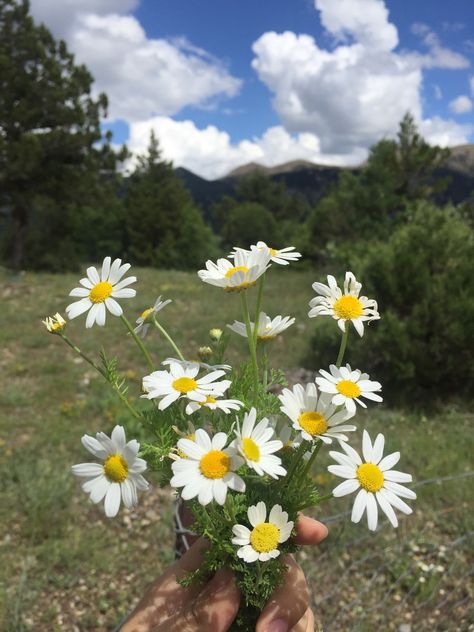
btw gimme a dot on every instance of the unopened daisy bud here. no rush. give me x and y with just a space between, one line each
215 334
205 353
54 324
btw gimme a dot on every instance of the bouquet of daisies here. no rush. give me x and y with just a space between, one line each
237 444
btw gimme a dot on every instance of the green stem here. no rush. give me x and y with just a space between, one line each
168 338
114 386
83 355
138 341
342 348
251 343
312 458
265 364
261 283
320 500
296 459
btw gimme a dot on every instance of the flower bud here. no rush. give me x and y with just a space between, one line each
205 353
215 334
54 324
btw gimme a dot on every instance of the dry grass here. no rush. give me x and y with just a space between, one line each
66 567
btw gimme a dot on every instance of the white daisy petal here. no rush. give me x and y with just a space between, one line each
372 512
359 506
112 500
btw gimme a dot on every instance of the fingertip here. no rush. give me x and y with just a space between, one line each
309 531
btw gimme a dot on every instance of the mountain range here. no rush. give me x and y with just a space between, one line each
312 181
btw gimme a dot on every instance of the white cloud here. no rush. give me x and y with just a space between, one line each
438 92
142 76
438 56
349 98
364 20
357 92
60 15
461 104
210 153
445 133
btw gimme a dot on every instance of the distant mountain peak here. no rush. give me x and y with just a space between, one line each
286 167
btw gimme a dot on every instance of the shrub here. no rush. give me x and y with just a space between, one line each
423 279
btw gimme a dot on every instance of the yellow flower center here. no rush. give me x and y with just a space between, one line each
146 313
264 537
184 384
214 464
209 400
116 468
348 307
250 449
232 271
348 388
314 423
370 477
100 292
273 252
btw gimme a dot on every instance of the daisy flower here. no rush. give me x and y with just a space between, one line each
118 477
314 417
281 256
143 321
343 307
54 324
242 274
226 405
180 381
261 542
254 444
203 365
208 470
99 291
267 328
348 386
374 479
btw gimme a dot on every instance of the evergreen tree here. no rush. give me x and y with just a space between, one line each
164 228
283 212
367 203
49 126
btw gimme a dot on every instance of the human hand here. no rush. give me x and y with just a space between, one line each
169 607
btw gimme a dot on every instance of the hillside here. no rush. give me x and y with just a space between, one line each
312 181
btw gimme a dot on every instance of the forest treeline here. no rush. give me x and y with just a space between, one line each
64 200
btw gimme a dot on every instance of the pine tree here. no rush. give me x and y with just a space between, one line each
49 125
164 228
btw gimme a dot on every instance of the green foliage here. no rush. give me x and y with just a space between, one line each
260 207
164 228
372 201
49 163
422 279
245 223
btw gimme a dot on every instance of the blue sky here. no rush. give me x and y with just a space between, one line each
224 82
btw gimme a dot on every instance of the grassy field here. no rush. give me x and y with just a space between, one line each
66 567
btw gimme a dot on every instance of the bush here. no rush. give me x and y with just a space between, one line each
423 280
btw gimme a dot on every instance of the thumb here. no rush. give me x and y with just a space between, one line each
213 609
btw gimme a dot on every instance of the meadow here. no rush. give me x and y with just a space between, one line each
67 567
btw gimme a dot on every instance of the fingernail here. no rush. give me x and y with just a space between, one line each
279 625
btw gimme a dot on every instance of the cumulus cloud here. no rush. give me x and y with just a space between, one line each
356 93
461 104
366 21
142 76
